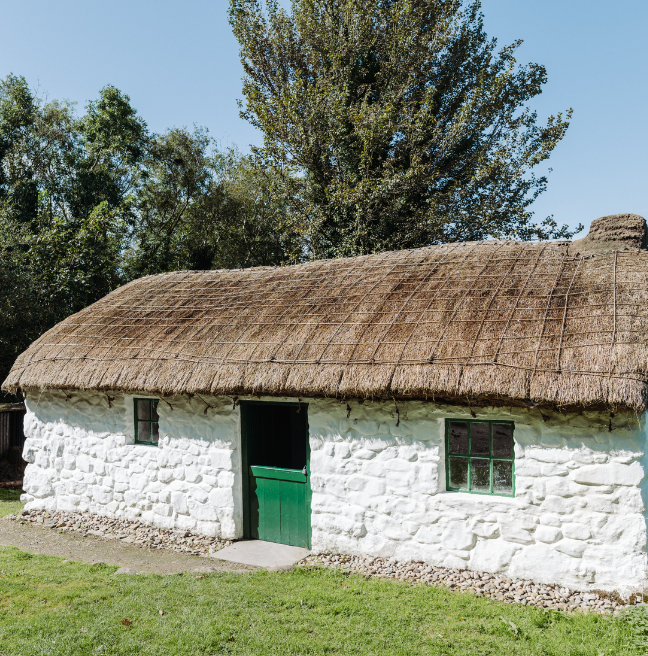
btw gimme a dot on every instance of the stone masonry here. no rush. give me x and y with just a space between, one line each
378 482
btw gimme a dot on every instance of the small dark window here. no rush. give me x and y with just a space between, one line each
479 457
146 421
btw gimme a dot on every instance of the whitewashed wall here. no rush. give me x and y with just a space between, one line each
377 477
83 458
577 518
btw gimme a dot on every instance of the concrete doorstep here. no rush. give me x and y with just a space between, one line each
270 555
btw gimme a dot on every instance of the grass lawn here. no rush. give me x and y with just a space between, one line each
9 503
51 607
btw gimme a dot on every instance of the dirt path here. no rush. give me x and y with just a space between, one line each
135 560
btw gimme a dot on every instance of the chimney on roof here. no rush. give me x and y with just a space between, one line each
617 232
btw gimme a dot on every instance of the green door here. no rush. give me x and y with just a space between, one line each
276 470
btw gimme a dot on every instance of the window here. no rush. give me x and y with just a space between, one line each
479 457
146 421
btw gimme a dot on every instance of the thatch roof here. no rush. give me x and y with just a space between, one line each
484 322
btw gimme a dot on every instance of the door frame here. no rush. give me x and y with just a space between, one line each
245 478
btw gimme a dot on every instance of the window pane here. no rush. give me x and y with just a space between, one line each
155 434
154 412
480 475
143 431
459 472
479 440
502 441
502 476
143 409
458 438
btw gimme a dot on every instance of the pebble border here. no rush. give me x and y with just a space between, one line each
494 586
124 530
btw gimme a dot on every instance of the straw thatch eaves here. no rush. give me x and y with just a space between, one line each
490 322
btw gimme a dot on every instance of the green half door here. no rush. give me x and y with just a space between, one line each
276 472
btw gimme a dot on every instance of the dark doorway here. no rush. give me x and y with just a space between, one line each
276 490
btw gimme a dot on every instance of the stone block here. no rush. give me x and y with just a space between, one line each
131 497
375 487
486 530
558 505
553 469
573 548
198 494
613 473
554 456
411 527
221 497
364 454
425 430
547 534
576 531
458 536
162 509
390 527
527 467
586 457
179 503
38 484
121 475
112 507
84 463
492 555
517 528
138 482
356 483
225 479
205 512
192 474
343 451
558 486
102 495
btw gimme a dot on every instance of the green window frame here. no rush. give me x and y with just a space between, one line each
480 456
147 427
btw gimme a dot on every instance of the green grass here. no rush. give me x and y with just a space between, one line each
9 503
51 607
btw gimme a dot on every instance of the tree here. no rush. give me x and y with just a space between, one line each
202 209
65 206
398 122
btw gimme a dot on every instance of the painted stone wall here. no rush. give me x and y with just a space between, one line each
378 481
82 457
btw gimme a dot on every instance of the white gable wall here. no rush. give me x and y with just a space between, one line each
377 477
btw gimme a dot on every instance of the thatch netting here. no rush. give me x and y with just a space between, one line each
491 320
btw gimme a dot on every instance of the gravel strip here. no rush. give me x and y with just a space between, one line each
493 586
129 532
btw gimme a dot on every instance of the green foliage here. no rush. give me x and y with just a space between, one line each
201 209
47 606
88 203
395 123
63 208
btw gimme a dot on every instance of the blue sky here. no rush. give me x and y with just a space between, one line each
178 61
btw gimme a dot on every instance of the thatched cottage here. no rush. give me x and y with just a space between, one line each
476 405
